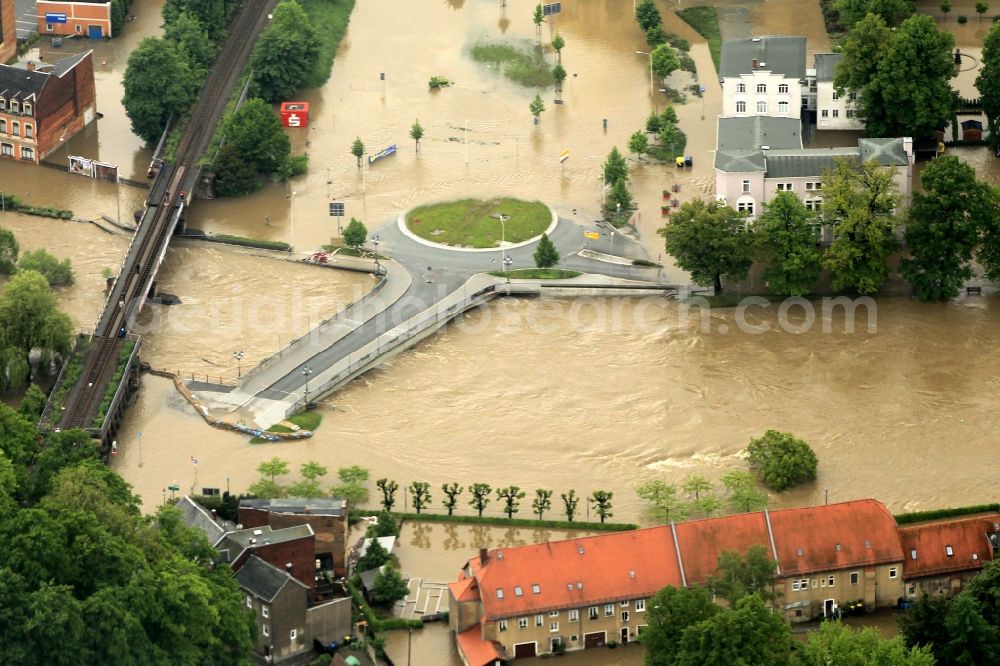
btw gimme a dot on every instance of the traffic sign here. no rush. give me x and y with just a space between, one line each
549 10
592 235
336 209
563 156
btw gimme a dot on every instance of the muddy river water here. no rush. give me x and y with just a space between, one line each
557 394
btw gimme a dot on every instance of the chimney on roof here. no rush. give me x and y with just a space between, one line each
484 556
30 66
754 63
288 566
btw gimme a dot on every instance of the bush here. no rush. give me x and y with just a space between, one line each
57 273
293 165
934 514
781 460
963 19
438 82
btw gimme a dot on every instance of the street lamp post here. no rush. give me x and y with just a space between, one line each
378 266
507 261
503 239
647 53
238 355
306 371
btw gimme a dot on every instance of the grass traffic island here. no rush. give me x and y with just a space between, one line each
475 223
308 420
538 274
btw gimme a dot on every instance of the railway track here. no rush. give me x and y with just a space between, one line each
128 294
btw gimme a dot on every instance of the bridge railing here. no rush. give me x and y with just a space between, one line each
303 340
390 340
120 390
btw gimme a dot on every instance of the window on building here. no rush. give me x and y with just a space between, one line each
539 620
6 149
48 27
624 616
518 591
265 630
850 113
746 185
623 604
503 625
3 126
3 103
553 613
27 153
554 626
640 605
741 87
609 609
761 88
522 623
29 131
265 611
855 576
741 107
784 187
14 106
813 582
499 593
574 638
27 109
949 551
824 113
800 585
830 580
293 634
535 589
593 612
761 106
249 601
835 95
782 107
835 113
745 207
893 572
809 186
814 204
79 28
574 615
852 96
783 89
15 128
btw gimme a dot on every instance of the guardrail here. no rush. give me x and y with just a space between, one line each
390 340
301 340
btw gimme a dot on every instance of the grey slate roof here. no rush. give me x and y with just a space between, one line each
740 141
328 506
66 64
194 515
740 161
887 152
263 579
234 543
826 65
368 577
14 80
804 162
782 55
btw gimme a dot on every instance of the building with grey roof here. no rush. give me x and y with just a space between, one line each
758 157
196 516
763 76
779 54
326 515
833 110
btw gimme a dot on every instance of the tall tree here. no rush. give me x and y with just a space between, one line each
743 493
388 489
417 133
973 641
924 623
665 505
273 467
451 492
542 502
187 32
420 495
285 53
375 556
537 16
709 241
664 61
601 501
638 143
740 575
748 634
9 249
389 587
234 176
988 82
944 225
210 14
893 12
619 205
863 50
536 106
647 15
358 149
510 496
981 8
29 321
985 589
570 502
351 486
615 168
668 614
546 255
786 243
255 131
311 472
158 83
859 201
781 460
557 45
480 497
355 233
836 643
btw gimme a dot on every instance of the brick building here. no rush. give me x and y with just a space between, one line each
290 549
81 19
44 106
8 31
582 593
326 516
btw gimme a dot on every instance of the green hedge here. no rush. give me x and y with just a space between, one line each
933 514
376 623
250 242
500 521
706 23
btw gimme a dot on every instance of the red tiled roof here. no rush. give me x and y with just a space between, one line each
463 589
968 539
476 651
702 541
837 536
576 572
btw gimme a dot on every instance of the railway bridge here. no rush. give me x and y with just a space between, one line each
95 387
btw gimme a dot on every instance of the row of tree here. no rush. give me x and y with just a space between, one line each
82 563
951 222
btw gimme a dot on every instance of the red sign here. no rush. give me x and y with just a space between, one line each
295 114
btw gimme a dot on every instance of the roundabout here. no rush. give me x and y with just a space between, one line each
478 224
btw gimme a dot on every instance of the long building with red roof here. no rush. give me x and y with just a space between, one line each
592 591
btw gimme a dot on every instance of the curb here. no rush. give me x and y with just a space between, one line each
401 223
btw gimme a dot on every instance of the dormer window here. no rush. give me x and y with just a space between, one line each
518 591
913 553
536 589
499 593
3 104
14 106
27 109
948 551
